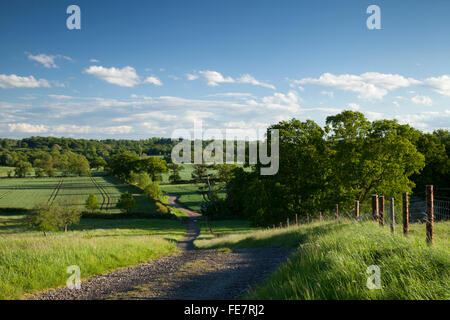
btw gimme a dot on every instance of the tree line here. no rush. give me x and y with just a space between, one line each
348 159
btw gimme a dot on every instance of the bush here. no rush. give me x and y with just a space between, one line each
126 202
162 208
67 214
92 203
46 217
153 191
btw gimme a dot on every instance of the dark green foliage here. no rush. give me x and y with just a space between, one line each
22 168
51 217
126 203
92 203
348 160
174 170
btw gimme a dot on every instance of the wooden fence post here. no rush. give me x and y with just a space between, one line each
320 216
405 214
381 209
296 219
392 214
307 218
356 209
430 214
281 225
375 207
336 211
287 223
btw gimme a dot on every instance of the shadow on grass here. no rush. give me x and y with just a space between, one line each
289 238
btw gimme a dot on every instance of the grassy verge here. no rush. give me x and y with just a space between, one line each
223 228
332 259
30 262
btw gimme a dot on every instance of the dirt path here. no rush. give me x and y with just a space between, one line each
193 274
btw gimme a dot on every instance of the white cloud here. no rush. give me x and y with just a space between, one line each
369 85
425 100
354 106
46 60
125 77
191 76
231 95
94 60
153 80
214 78
60 96
328 93
280 101
193 115
421 120
27 128
116 130
15 81
439 84
246 78
372 116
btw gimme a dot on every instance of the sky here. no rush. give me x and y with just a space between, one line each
139 69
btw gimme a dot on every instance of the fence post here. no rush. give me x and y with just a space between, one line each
336 211
375 207
392 214
281 225
356 209
405 214
307 218
430 214
287 223
296 219
320 215
381 209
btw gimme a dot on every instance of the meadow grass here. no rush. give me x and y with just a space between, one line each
331 258
30 262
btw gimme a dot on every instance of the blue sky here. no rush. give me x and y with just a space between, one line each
138 69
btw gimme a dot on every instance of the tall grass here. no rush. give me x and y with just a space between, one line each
30 262
331 259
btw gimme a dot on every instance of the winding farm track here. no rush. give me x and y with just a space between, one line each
192 274
106 199
55 192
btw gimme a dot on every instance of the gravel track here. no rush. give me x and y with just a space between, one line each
192 274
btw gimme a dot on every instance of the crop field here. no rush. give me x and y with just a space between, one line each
27 192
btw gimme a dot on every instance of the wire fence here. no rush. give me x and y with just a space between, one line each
409 210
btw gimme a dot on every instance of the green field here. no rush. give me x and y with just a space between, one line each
30 262
223 228
188 195
27 192
331 259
